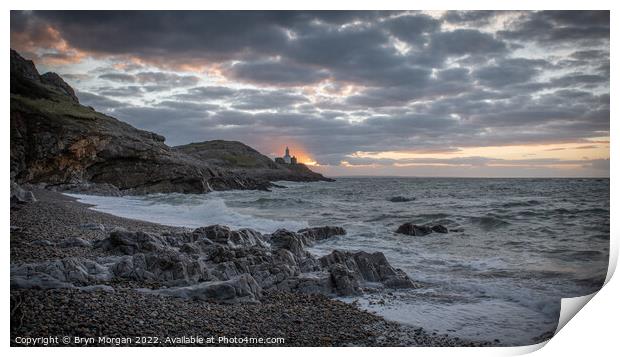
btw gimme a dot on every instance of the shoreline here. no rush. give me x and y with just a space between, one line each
302 319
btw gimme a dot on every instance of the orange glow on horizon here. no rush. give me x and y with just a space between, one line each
276 149
596 148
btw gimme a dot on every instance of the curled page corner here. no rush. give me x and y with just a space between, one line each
570 307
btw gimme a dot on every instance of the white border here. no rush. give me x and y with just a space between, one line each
592 331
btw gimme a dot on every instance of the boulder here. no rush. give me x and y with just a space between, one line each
401 199
285 239
224 235
345 281
125 242
414 229
20 196
438 228
420 230
321 233
365 267
242 288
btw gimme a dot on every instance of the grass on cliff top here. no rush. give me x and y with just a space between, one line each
53 107
241 160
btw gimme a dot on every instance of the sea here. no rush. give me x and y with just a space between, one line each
520 244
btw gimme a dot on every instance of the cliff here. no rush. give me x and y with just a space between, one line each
56 141
245 161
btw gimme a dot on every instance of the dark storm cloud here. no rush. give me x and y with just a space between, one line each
273 100
158 78
466 41
470 17
412 28
276 73
185 34
509 71
338 81
550 27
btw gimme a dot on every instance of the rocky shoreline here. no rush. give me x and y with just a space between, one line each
83 273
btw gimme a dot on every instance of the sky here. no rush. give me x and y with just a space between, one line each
384 93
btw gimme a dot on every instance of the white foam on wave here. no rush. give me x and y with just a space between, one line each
181 210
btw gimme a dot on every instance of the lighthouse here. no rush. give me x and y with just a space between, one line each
287 156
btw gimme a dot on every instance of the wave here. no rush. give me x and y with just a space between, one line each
191 211
521 203
489 222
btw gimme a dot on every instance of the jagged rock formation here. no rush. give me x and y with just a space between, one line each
58 142
217 263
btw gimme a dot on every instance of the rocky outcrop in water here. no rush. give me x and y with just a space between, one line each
216 263
420 230
61 144
399 199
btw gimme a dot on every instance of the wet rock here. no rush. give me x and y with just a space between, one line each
401 199
420 230
344 280
321 233
438 228
285 239
414 229
367 267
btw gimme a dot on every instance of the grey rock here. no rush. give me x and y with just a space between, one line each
438 228
344 280
366 267
401 199
322 233
74 242
224 235
414 229
126 242
216 263
420 230
242 288
20 196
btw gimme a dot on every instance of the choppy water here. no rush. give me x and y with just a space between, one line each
525 243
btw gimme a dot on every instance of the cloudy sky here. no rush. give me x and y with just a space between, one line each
352 93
